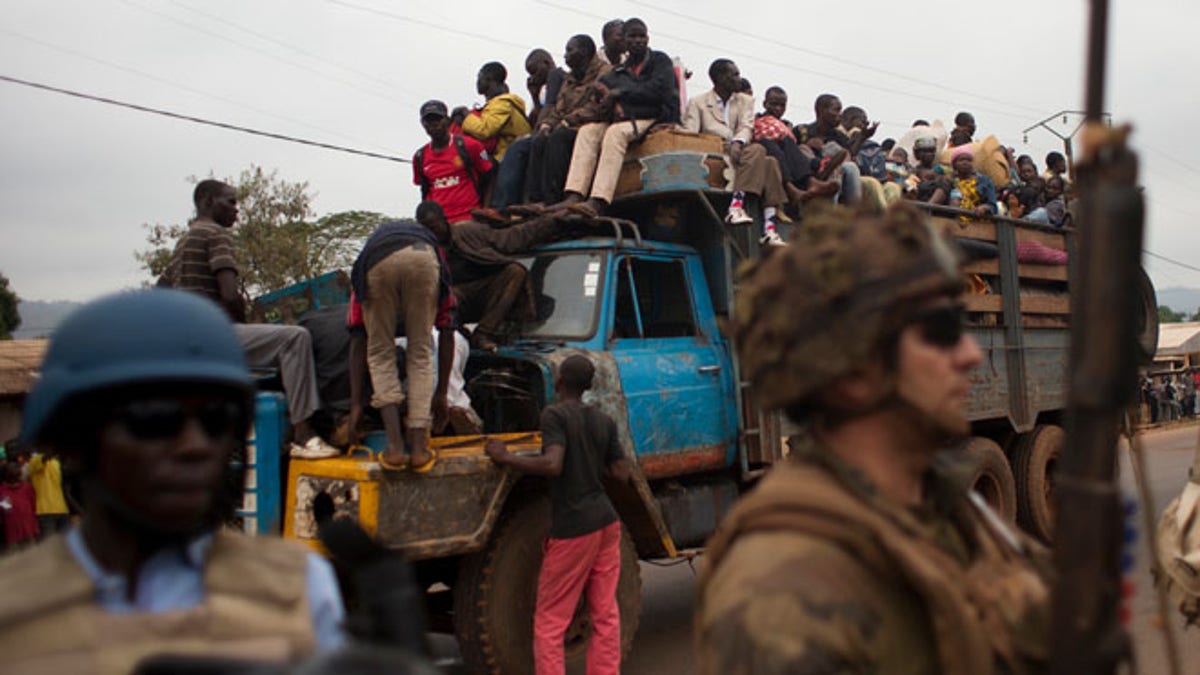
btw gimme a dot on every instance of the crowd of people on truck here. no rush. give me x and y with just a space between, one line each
567 148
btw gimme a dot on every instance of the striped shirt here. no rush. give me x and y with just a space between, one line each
205 249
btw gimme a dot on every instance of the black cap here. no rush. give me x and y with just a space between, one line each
433 108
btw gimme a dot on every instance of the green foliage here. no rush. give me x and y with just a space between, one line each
1168 315
9 318
277 241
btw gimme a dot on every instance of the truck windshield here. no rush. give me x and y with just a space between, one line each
565 293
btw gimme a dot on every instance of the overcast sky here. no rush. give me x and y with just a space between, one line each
78 179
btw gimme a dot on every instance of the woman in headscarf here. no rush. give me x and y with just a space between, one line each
972 191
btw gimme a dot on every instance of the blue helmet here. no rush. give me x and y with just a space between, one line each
135 337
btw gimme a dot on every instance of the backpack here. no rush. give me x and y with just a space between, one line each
461 146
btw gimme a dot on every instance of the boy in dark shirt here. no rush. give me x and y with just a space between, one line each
583 551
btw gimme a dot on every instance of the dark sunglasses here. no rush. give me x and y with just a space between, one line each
156 419
941 326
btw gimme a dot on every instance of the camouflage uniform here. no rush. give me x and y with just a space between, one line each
782 591
816 570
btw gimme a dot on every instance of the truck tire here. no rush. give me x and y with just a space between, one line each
991 477
496 592
1035 461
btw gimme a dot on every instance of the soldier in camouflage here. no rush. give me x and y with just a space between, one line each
860 554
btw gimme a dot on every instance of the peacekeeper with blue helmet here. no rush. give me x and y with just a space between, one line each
146 396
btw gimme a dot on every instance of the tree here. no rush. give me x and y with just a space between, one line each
1168 315
277 242
10 319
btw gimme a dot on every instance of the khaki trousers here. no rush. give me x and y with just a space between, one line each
598 155
403 284
758 174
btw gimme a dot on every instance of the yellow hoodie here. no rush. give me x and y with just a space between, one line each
503 118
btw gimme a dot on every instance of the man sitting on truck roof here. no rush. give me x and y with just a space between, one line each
544 81
642 92
203 263
612 38
831 145
498 125
797 169
574 106
725 112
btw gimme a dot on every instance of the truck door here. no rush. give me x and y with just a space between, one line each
673 365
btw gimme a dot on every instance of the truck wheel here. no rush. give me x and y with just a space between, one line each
1035 461
992 478
496 592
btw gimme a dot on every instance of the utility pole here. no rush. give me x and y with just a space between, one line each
1066 139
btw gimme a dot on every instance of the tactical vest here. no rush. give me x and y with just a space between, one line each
980 614
255 607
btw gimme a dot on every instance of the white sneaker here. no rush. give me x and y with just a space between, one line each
314 448
738 216
771 238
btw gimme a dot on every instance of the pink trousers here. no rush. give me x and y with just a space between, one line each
590 563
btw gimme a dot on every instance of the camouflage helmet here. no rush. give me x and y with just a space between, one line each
817 309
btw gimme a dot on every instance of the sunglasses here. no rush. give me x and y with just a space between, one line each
941 326
157 419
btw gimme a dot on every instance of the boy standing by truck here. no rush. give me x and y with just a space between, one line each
583 551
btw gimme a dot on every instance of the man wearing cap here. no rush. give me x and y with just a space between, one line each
861 552
146 395
451 169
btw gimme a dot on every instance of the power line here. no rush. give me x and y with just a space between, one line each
780 64
1173 262
169 83
1179 162
229 40
832 57
428 24
200 120
262 36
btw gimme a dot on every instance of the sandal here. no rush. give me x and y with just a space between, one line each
387 466
429 464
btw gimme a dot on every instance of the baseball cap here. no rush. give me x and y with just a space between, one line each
433 108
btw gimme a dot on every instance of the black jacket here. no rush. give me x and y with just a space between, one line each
651 94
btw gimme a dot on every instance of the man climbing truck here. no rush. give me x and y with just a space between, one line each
648 307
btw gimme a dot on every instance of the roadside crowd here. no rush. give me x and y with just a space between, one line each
32 502
1168 398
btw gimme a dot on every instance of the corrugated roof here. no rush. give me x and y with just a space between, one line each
1178 338
19 363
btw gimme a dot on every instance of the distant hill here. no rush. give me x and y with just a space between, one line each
1180 299
39 318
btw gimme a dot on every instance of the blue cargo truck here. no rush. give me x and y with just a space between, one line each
649 305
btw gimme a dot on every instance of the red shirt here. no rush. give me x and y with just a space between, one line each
20 519
450 183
